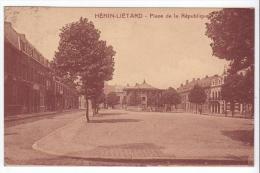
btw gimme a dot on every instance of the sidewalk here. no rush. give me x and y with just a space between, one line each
229 115
38 114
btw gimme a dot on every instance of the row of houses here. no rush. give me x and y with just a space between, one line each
138 96
30 85
212 87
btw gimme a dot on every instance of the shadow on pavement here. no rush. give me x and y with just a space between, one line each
245 136
109 114
114 120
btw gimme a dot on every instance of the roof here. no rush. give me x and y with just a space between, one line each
20 42
142 86
112 88
204 82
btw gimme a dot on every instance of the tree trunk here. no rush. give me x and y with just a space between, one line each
244 109
93 108
225 109
93 111
232 105
252 110
87 110
97 109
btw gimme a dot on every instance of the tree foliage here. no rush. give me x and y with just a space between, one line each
153 99
232 35
238 88
170 97
112 99
197 95
82 54
230 90
248 87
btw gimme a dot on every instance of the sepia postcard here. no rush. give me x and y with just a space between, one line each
87 86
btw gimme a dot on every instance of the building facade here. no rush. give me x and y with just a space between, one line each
29 83
217 104
139 96
185 89
214 103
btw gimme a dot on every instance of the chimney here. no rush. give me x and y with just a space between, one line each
206 76
22 36
181 85
193 79
187 81
198 78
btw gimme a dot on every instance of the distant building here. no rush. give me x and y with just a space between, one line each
118 90
212 92
214 101
139 94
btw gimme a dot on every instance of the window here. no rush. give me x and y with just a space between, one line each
41 99
14 95
22 45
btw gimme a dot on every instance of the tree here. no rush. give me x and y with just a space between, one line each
97 97
81 53
230 90
112 99
171 97
247 86
153 100
232 33
198 96
248 90
238 88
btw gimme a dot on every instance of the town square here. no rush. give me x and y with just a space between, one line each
97 87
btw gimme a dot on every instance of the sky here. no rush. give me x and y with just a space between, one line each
163 51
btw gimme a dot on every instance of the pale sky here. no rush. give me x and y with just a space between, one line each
165 52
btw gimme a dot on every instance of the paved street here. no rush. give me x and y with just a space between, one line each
117 137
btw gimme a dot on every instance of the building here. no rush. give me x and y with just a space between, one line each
139 95
214 102
29 82
212 87
118 90
217 104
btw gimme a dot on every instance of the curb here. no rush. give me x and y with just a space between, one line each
27 116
